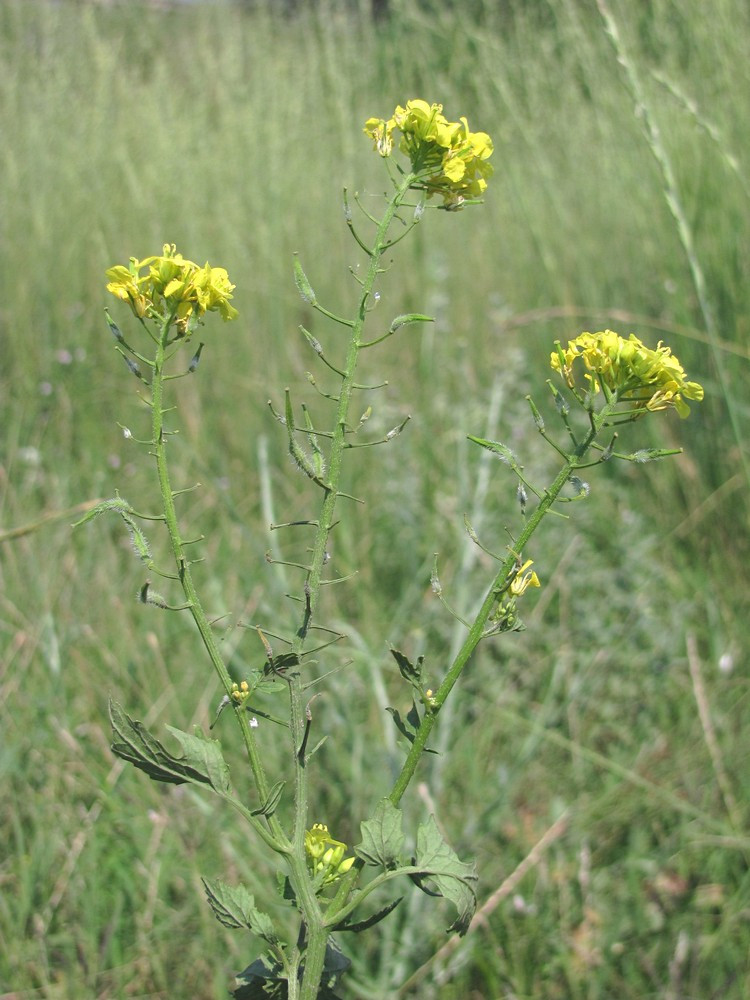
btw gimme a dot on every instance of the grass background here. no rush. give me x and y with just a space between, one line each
231 130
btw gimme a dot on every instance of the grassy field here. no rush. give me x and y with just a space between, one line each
615 729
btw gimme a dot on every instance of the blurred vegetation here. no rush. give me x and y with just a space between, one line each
230 131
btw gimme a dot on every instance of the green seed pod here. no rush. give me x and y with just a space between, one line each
304 286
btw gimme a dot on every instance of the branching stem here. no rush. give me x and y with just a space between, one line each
477 632
317 934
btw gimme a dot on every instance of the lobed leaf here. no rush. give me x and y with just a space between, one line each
202 763
453 878
409 724
411 672
234 907
265 979
382 836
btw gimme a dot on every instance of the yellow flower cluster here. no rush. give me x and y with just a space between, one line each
326 855
172 286
240 692
448 159
649 379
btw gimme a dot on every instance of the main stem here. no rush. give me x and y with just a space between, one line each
317 934
183 567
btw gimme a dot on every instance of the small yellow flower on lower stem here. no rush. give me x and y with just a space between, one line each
325 855
240 692
524 579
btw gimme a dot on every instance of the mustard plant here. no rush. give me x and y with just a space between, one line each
606 381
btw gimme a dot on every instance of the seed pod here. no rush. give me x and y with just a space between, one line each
303 285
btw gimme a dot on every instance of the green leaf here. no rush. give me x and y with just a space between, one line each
234 907
335 965
271 804
265 979
409 725
285 889
363 925
202 763
283 661
204 755
453 878
411 672
382 836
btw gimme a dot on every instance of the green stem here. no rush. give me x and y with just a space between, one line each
185 576
315 955
476 633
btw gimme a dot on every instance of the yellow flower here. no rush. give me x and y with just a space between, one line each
447 157
240 692
646 379
382 133
126 285
172 287
325 855
213 289
169 271
524 579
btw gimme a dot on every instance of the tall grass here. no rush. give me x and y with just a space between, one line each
231 131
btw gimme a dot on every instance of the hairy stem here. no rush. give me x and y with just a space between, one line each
185 576
316 950
476 633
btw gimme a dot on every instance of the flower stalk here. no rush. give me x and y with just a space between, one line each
315 955
182 562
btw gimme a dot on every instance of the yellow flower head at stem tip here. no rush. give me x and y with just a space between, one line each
646 379
448 158
325 856
171 286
